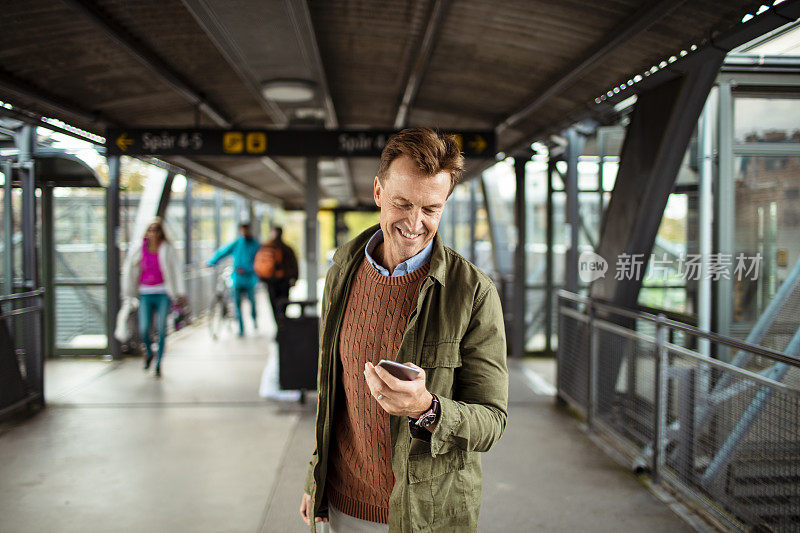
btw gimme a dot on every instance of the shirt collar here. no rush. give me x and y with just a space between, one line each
406 267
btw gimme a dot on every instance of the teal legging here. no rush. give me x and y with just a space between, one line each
150 304
236 294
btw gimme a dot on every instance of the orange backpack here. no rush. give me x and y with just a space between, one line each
268 263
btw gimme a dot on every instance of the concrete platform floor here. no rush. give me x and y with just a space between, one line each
198 451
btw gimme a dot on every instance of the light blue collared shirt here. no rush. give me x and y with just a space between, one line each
406 267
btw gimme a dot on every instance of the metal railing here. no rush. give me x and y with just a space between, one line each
21 351
200 282
725 435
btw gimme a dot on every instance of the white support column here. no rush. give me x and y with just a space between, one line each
726 211
705 237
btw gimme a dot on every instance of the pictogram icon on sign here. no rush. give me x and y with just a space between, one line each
256 142
233 142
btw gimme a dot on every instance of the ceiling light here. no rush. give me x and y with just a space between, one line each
288 90
625 104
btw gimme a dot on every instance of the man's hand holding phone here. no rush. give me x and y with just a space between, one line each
400 397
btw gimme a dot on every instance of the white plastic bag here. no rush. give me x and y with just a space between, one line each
122 332
270 380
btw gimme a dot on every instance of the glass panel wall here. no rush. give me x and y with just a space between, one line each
140 187
664 285
79 233
16 231
265 215
456 227
358 221
536 253
4 233
591 201
759 119
500 191
766 174
767 226
203 233
230 216
175 217
500 187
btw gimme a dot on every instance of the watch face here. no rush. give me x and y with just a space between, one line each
427 419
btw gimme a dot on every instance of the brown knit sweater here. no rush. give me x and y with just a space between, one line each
360 478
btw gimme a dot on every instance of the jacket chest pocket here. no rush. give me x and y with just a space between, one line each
441 361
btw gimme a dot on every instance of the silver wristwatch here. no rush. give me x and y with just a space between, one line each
429 417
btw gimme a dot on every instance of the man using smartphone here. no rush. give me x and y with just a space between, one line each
399 451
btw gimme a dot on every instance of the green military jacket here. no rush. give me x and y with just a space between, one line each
456 333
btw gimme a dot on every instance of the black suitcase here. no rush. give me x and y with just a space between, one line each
298 349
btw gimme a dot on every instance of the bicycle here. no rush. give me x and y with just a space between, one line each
220 313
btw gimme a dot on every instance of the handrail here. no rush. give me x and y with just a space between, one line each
673 315
23 311
713 337
21 295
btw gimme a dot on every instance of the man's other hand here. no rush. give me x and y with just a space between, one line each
305 511
396 396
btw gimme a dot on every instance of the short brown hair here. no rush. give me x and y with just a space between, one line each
431 151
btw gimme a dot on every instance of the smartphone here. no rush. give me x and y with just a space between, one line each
400 371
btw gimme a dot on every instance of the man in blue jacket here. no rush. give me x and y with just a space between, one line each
243 277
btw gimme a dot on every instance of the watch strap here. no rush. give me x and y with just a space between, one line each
430 415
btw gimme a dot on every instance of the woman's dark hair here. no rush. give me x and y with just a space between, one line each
162 235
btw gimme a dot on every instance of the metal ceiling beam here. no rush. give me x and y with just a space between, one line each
734 37
225 180
629 28
22 89
300 17
225 43
151 60
215 175
303 26
64 108
417 72
204 13
283 173
35 119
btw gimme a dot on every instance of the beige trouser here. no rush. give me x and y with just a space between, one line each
339 522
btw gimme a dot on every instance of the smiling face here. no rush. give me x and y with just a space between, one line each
411 205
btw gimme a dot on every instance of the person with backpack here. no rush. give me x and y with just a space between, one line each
243 277
276 266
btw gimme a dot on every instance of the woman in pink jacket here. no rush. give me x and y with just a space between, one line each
152 274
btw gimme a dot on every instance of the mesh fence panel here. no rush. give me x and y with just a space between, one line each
626 386
20 349
200 285
573 360
737 440
777 337
731 436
